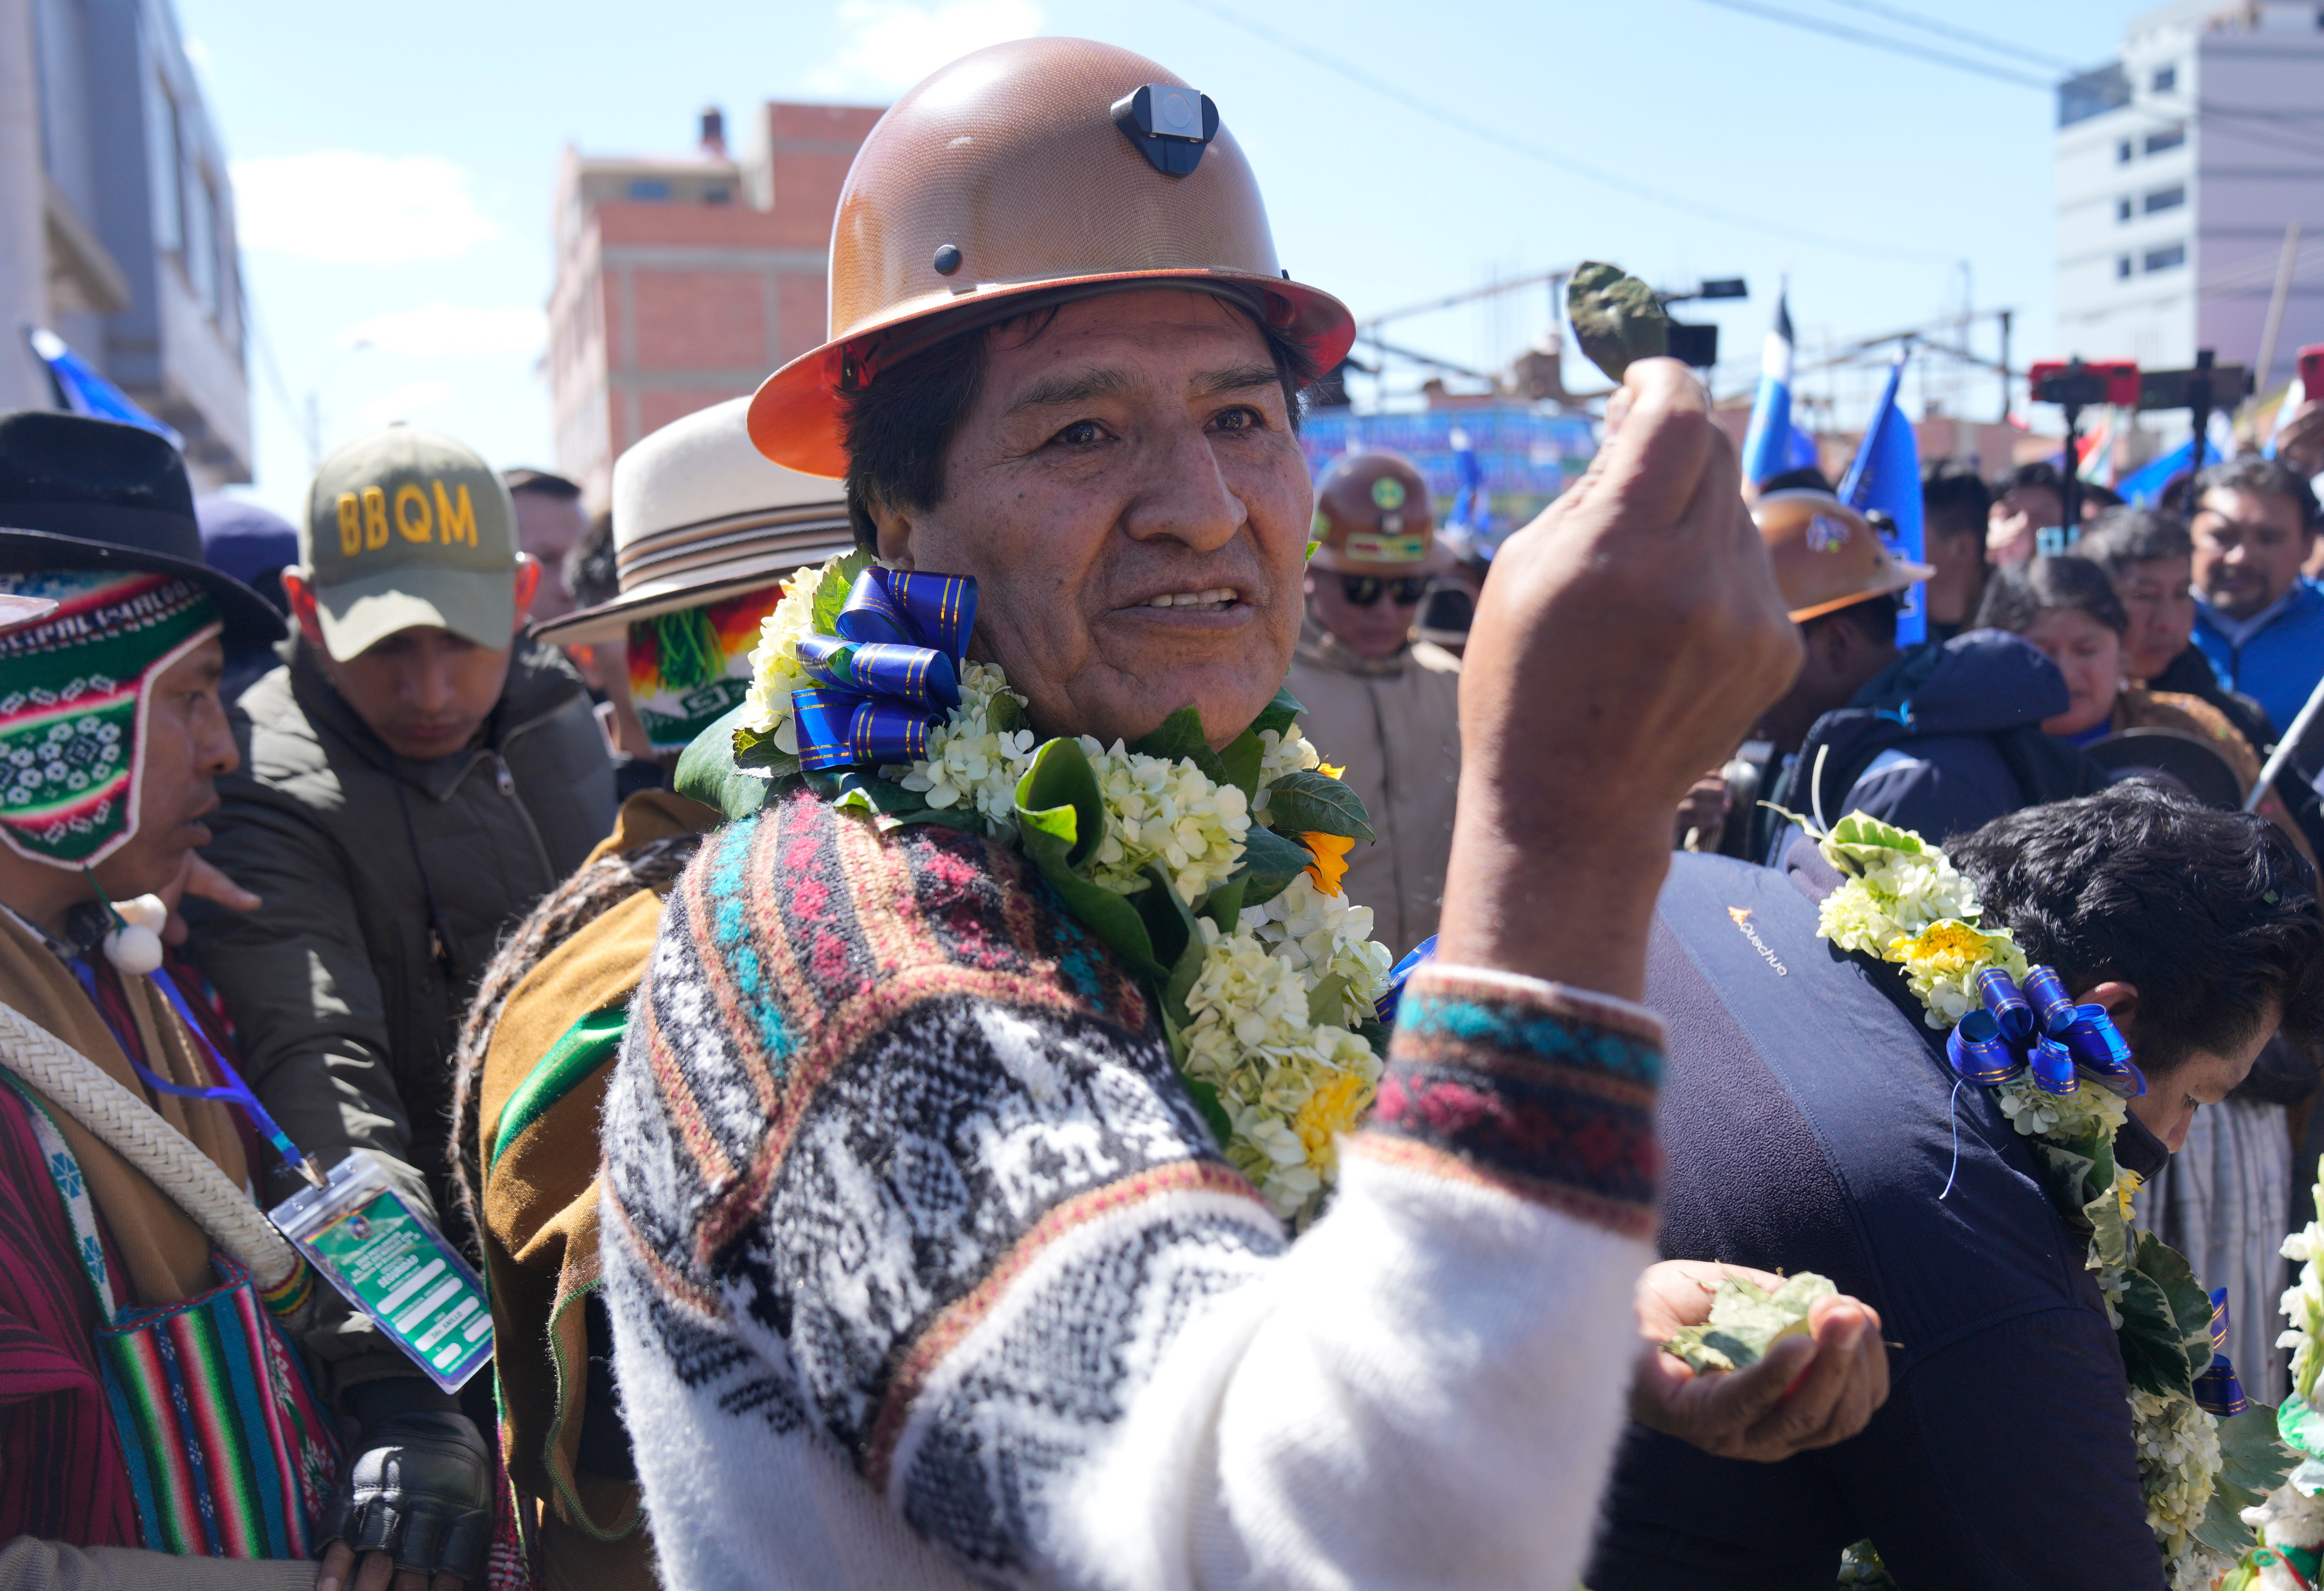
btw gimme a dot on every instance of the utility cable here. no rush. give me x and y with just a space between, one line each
1959 35
1628 185
1904 48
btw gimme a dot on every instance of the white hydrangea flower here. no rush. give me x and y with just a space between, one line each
2177 1455
969 763
1321 934
1167 812
1282 753
775 671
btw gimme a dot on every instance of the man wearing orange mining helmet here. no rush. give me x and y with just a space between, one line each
1384 704
939 1250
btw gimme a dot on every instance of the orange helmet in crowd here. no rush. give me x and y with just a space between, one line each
1025 175
1372 517
1826 555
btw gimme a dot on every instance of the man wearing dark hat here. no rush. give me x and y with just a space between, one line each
113 738
1940 739
254 545
415 777
1389 703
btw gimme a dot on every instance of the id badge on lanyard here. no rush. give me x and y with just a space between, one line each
391 1262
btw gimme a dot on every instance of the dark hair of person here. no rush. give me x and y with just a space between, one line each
2211 915
2016 597
1810 479
2096 499
1876 616
2121 537
590 574
541 482
1954 499
2041 475
898 431
2251 473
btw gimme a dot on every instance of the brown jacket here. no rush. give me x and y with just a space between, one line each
1393 723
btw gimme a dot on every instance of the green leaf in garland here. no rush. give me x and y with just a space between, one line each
2253 1462
1374 1032
2153 1359
1183 974
1182 735
1003 714
1060 776
1205 1096
1279 715
1223 904
1327 1001
707 773
1169 921
2190 1306
1269 864
1242 759
1307 802
831 594
892 807
1109 916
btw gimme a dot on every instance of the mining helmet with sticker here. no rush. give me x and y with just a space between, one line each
1019 177
1826 555
407 529
1372 517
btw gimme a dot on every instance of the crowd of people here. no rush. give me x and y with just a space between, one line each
977 983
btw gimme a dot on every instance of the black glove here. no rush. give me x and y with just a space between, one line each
422 1490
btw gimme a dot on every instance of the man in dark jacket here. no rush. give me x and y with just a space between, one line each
414 779
1940 739
1809 1117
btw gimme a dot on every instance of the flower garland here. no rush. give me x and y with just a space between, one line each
1904 903
1214 873
2289 1521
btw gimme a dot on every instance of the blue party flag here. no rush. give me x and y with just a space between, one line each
1886 477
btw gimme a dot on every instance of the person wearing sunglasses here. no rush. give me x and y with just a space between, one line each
1389 703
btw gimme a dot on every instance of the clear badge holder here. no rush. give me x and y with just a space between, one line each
391 1263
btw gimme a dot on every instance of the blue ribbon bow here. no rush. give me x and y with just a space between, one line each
2039 1026
890 674
2217 1390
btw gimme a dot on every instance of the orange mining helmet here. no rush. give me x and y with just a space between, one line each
1373 516
1017 177
1826 555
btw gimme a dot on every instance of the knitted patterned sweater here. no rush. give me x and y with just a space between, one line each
925 1271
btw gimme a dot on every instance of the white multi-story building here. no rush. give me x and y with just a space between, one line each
2180 166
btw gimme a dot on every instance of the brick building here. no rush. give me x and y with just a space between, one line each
682 282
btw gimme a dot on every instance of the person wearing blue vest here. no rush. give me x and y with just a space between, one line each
1811 1124
2257 619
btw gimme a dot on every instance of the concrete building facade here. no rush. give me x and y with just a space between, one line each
115 194
2180 166
682 282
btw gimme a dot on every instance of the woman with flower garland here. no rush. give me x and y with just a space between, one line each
2036 1435
987 1064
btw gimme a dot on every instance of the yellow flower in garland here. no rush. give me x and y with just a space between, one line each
1330 864
1335 1107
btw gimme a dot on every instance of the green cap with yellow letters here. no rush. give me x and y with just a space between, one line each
407 528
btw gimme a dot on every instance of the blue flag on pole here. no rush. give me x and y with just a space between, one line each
1885 479
80 389
1770 445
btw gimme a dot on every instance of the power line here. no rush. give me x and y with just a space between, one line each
1894 46
1959 35
1600 175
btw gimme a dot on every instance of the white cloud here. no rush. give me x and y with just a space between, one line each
403 403
442 330
343 207
893 44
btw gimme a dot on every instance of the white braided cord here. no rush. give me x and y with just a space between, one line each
135 1132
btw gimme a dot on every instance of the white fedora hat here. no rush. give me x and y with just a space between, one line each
701 516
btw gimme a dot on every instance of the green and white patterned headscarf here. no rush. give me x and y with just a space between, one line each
73 699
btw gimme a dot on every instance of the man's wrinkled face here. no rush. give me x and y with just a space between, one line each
2156 594
2248 548
187 746
1127 491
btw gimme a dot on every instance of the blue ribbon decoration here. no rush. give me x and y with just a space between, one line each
2008 1032
1422 955
2217 1390
890 674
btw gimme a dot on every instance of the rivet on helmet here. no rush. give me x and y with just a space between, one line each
1170 125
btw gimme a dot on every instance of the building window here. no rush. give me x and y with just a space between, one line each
2122 153
2122 209
2166 79
2166 198
2122 267
2168 138
649 188
2093 94
2166 259
200 251
717 193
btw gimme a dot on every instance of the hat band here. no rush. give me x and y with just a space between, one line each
141 530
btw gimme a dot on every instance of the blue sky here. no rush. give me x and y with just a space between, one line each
394 165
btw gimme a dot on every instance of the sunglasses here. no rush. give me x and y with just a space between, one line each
1364 590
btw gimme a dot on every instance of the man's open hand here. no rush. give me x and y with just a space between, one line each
1808 1391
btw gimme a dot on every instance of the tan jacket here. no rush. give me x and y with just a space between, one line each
1393 723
